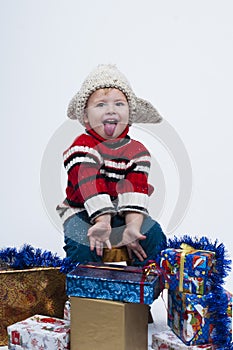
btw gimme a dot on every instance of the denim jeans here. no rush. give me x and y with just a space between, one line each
77 246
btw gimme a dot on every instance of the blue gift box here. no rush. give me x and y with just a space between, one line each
193 276
117 283
192 320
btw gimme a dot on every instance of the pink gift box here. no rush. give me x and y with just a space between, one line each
167 340
39 332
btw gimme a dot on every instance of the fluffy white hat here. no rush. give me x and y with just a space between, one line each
108 76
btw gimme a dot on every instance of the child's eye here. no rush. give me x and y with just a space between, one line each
120 104
100 104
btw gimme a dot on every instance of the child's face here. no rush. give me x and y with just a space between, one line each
107 112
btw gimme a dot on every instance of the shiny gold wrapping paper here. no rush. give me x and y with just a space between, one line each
105 324
24 293
116 254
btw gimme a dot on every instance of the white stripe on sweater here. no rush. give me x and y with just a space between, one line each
83 149
112 175
123 165
97 203
79 160
133 199
144 169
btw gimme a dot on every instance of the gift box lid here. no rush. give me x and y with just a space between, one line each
194 261
47 323
119 273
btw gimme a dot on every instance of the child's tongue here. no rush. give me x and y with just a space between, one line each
109 128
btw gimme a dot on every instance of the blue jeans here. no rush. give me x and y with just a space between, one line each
77 246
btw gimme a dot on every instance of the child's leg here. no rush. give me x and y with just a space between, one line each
77 243
77 246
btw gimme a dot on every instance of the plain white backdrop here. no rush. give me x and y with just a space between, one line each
177 54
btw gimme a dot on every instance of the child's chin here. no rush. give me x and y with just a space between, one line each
110 137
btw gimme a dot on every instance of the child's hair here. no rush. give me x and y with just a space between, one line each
106 90
108 76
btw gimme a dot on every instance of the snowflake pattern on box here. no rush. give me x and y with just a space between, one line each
117 284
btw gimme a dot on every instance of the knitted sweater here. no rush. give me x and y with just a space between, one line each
106 176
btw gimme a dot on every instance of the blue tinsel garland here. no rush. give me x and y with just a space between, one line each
217 307
28 257
222 266
217 299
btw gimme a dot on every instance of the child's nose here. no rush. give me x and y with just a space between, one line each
111 109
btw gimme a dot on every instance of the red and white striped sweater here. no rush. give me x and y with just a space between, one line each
106 176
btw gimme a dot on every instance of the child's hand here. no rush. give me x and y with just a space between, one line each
132 235
99 233
131 238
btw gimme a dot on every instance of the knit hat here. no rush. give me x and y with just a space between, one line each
108 76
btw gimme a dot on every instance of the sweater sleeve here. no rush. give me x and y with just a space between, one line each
134 190
86 185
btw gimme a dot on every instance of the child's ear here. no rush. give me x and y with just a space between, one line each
85 117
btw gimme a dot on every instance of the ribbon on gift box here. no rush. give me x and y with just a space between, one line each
154 268
186 249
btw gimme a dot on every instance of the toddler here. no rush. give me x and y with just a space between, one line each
107 191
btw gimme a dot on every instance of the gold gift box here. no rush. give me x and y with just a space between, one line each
105 324
24 293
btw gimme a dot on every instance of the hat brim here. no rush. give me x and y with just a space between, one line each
146 112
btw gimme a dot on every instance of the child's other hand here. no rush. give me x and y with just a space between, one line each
131 238
99 233
132 235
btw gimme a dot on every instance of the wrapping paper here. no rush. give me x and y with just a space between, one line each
25 293
121 283
167 340
38 333
190 319
108 325
188 269
67 310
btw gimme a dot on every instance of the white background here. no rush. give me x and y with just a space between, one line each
177 54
